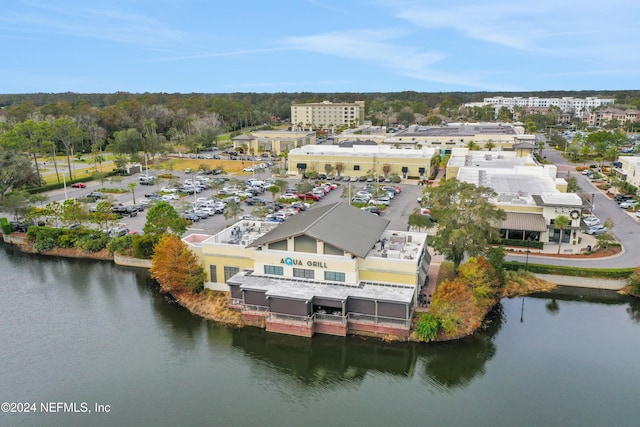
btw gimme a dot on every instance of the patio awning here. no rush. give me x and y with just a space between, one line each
524 221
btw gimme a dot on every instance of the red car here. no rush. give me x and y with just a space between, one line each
309 196
78 185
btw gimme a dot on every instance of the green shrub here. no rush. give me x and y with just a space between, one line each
427 327
6 227
93 242
519 243
143 245
634 281
44 238
66 240
121 245
610 273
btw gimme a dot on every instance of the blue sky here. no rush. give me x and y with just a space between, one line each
221 46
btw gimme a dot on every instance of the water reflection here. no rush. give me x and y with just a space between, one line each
324 359
634 309
328 360
455 365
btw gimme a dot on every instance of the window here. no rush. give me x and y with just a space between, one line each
334 276
273 269
229 271
356 167
213 273
303 272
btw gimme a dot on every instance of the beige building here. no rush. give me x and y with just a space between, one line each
501 136
327 114
358 160
630 170
602 117
331 269
273 141
531 194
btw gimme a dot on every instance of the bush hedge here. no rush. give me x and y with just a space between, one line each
608 273
45 238
520 243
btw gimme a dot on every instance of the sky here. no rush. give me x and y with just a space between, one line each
225 46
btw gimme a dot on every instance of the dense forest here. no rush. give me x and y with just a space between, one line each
236 110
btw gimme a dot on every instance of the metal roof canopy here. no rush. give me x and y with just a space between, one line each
339 224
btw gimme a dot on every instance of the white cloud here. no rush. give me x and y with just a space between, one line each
382 48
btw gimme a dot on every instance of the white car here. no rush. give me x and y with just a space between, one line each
628 204
171 196
248 169
590 221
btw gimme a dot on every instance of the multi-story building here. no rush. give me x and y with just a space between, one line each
579 107
327 114
331 269
602 117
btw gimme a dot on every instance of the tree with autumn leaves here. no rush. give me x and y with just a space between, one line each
175 266
459 306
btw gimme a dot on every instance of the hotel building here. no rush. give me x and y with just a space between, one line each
327 114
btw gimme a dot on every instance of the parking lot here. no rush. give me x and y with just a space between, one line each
397 212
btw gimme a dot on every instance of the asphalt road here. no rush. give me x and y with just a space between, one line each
626 227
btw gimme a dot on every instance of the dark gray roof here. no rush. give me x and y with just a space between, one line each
351 143
339 224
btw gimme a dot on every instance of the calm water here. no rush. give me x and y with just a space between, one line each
76 331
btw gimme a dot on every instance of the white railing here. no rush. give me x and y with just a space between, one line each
358 317
334 318
284 318
251 307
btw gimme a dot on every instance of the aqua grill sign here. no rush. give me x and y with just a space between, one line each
297 262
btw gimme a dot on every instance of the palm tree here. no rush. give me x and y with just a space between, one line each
561 223
489 145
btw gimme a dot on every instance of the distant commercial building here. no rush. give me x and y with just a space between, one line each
502 136
580 107
273 141
358 159
327 114
332 269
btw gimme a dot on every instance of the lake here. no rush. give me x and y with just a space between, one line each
77 333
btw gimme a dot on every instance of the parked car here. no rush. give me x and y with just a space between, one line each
309 196
628 204
372 209
78 185
256 201
596 230
590 221
95 195
129 211
380 201
619 198
168 197
190 216
359 200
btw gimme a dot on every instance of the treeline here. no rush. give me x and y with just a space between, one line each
248 109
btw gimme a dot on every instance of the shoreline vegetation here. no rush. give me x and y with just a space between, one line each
461 307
